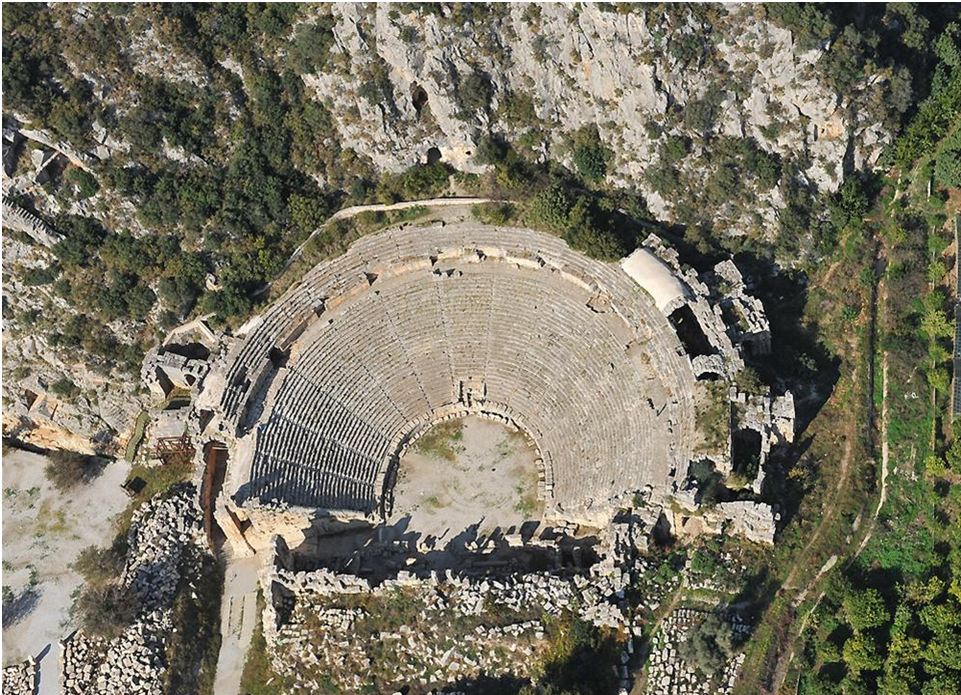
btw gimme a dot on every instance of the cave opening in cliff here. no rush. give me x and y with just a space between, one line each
418 98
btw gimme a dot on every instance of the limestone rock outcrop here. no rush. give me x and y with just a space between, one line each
552 69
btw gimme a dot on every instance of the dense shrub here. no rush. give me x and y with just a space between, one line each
40 275
939 111
551 208
420 181
491 150
849 205
311 44
474 94
64 387
675 148
82 237
709 645
85 182
100 566
67 469
105 611
495 213
589 155
808 22
700 115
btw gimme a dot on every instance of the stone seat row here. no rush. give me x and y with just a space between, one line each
333 385
330 278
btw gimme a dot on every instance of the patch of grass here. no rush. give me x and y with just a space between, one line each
527 502
441 440
50 521
713 416
434 502
133 444
258 677
159 479
194 645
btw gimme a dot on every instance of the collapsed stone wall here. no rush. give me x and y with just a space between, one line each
313 620
165 532
20 679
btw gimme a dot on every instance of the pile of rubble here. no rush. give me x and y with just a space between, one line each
454 627
162 533
20 679
81 654
669 674
131 663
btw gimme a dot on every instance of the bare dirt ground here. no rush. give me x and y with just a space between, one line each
480 473
43 532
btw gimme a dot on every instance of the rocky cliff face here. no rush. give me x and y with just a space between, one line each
553 69
55 396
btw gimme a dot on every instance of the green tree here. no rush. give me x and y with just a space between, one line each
311 45
551 208
947 161
861 654
589 155
708 646
865 609
850 204
85 182
935 324
307 212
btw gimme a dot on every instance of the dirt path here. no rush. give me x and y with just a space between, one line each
355 210
885 448
850 432
786 657
238 617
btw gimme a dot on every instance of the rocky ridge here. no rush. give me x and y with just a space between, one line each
577 66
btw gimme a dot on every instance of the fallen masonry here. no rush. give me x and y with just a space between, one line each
164 532
669 674
20 679
432 628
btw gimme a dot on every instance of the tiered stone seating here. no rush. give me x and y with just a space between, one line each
407 319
